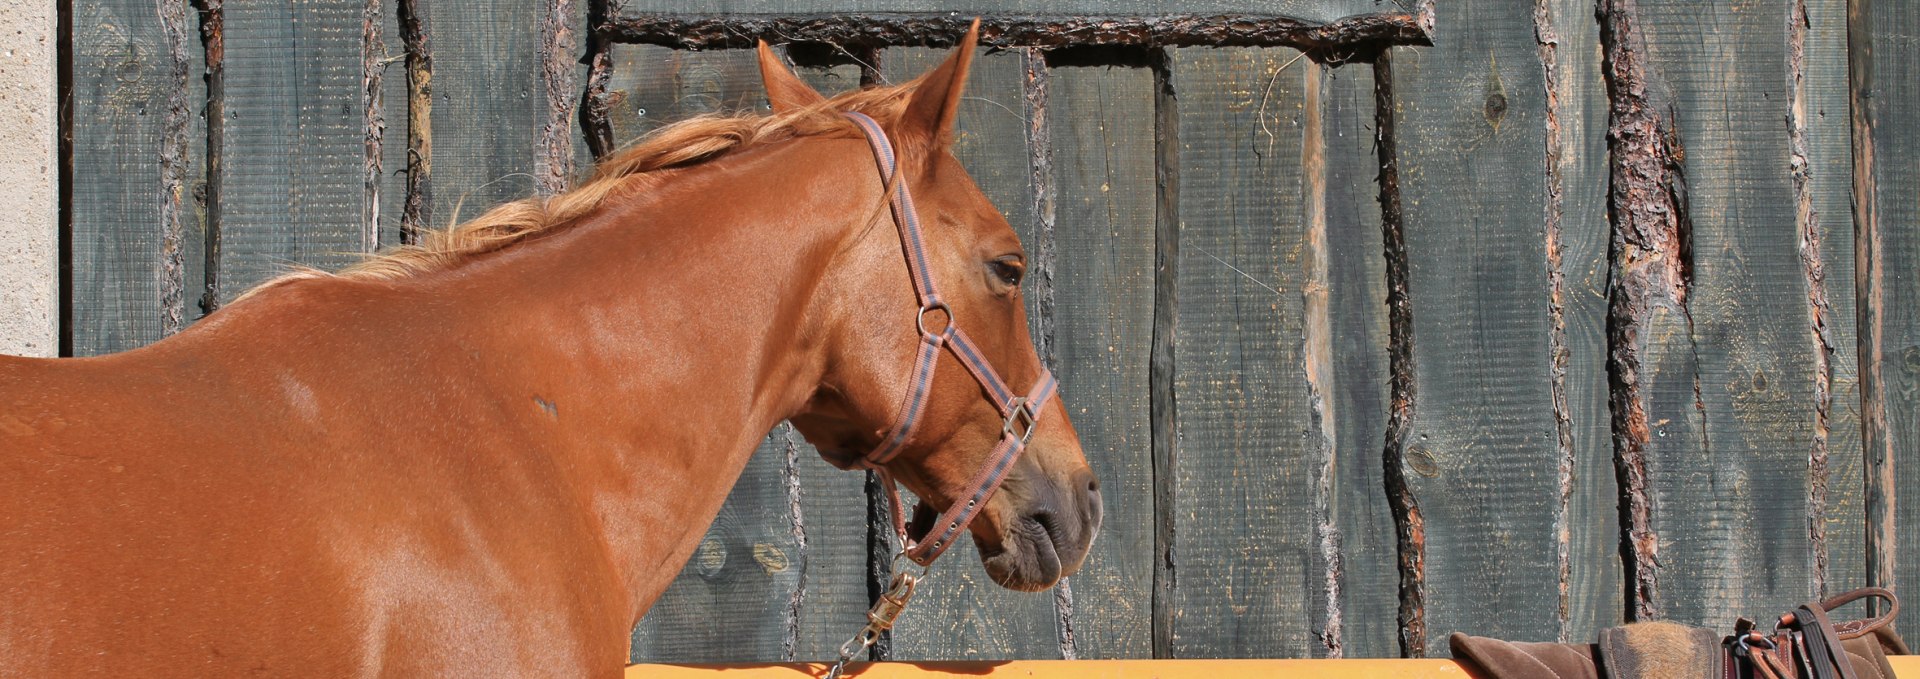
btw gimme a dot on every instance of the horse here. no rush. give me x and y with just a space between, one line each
488 453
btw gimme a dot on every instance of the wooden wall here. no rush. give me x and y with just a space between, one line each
1295 306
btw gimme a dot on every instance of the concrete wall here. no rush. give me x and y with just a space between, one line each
29 197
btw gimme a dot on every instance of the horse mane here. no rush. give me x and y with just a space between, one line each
690 142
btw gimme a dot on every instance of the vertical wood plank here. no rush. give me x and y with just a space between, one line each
1576 136
489 104
733 600
1822 112
1103 164
294 146
1472 164
962 614
1893 103
1357 311
1250 566
120 86
395 95
1723 507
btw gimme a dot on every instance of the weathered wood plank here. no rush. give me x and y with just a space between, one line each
1103 164
1823 102
294 145
1890 317
1472 163
489 104
1592 589
1357 394
962 614
1723 508
733 602
121 76
395 96
1250 566
652 87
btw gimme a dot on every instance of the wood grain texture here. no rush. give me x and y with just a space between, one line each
1470 127
732 601
397 141
489 104
1357 313
1895 108
1103 164
651 87
1823 114
294 142
1594 590
120 86
962 614
1724 508
1250 566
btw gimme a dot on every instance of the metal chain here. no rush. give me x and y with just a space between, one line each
881 617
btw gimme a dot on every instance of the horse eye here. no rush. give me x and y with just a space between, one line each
1007 270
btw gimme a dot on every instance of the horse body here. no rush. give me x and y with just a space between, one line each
484 469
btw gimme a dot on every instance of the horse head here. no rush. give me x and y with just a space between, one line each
1040 524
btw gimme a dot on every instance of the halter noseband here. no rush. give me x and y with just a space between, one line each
1021 413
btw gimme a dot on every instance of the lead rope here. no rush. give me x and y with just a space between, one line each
881 617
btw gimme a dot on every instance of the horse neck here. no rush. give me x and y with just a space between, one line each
672 330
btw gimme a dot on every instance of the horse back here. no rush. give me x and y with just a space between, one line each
192 513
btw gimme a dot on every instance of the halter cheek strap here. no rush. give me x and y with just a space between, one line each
1020 413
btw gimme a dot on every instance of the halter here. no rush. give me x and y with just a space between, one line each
1020 413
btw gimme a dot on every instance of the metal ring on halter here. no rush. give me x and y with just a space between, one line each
921 319
1019 409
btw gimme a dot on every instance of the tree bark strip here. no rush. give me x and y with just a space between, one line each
554 169
214 50
1410 533
1650 273
373 64
1869 289
417 214
1317 363
1164 412
173 170
1351 38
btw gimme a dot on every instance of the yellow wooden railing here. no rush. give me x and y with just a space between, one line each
1906 666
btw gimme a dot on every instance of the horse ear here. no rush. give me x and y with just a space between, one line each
784 89
936 96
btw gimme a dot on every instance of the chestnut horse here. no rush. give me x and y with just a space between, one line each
488 454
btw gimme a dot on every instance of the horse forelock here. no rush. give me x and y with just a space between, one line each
687 143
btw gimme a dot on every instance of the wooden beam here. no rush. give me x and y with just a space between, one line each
1352 38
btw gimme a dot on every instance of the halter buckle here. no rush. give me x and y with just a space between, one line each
921 319
1020 419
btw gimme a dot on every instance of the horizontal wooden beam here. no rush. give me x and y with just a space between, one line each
1903 666
1345 39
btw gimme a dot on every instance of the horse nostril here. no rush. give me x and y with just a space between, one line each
1093 485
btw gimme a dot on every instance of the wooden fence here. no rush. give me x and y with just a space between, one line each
1562 320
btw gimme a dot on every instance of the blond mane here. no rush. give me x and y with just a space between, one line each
686 143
